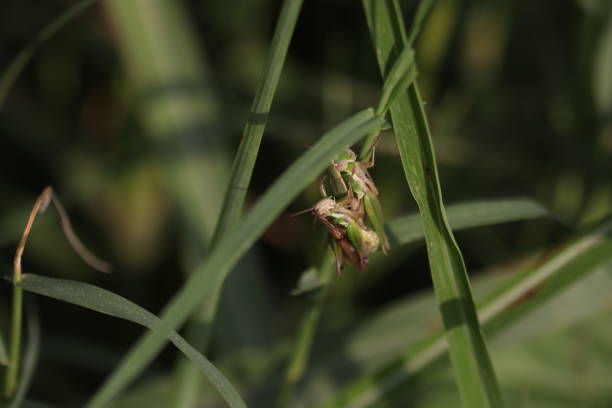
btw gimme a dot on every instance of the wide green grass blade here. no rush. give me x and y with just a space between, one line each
210 275
473 370
30 355
498 311
17 64
470 214
109 303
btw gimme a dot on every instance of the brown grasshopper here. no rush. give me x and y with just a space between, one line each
351 238
351 177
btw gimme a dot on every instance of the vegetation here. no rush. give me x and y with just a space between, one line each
483 133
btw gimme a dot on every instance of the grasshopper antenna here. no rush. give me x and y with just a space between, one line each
295 214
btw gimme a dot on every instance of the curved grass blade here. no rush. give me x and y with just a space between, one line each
106 302
31 353
12 71
207 278
498 311
470 214
472 366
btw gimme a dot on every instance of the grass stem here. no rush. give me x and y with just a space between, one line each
10 384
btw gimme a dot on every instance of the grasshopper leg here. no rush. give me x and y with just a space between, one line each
374 214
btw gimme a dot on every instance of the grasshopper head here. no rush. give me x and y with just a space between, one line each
345 161
324 207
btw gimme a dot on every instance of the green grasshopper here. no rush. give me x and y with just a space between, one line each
351 239
350 177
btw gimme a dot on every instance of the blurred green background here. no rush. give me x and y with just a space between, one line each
133 112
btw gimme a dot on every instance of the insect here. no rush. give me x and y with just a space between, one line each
351 179
351 239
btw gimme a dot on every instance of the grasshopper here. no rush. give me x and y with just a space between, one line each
351 239
350 177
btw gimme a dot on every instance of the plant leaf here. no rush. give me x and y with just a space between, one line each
401 76
474 373
109 303
470 214
244 161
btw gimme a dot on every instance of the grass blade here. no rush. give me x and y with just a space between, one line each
245 158
470 214
504 306
422 12
106 302
473 370
210 275
401 76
